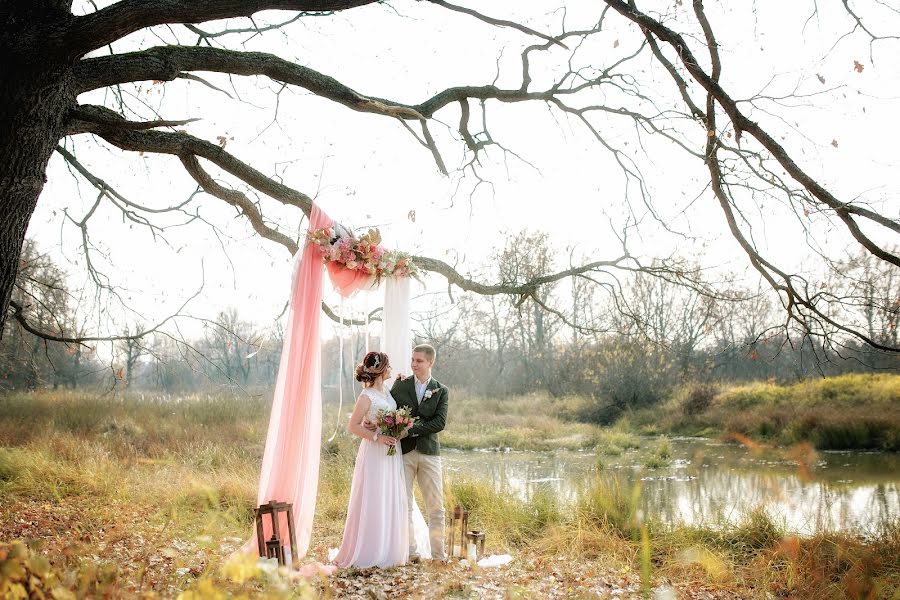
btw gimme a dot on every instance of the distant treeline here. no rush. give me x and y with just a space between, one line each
625 352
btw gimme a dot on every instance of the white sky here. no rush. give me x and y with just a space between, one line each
367 170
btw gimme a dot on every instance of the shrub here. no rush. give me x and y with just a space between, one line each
697 398
626 375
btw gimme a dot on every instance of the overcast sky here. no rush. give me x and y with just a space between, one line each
367 170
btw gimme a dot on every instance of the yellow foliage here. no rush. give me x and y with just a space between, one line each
204 590
240 568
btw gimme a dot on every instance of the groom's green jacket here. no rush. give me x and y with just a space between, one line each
431 413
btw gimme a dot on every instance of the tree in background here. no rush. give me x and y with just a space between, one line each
31 361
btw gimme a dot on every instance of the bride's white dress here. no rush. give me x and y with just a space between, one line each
376 529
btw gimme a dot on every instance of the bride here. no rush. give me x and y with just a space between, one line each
376 530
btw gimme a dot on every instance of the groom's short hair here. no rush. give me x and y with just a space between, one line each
427 350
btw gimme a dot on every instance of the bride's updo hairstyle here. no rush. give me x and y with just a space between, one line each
372 365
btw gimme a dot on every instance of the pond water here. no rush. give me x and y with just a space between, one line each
707 481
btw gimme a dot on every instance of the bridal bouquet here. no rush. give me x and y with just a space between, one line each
393 423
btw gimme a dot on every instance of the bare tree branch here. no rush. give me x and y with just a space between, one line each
166 63
498 22
117 20
239 200
19 315
844 210
181 143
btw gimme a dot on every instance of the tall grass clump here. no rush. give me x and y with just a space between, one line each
511 521
661 456
614 443
610 505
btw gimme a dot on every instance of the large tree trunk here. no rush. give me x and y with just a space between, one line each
35 99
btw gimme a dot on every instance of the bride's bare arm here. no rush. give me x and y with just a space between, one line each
356 427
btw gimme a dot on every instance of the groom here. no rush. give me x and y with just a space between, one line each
421 450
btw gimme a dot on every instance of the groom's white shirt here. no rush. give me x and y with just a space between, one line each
420 387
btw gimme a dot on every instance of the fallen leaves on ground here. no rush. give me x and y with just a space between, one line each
130 552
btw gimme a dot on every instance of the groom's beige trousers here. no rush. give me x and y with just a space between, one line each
427 471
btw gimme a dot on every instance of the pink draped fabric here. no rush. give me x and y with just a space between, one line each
290 466
347 281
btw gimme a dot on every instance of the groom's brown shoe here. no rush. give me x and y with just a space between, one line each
414 559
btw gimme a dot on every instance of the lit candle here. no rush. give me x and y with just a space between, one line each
470 552
457 551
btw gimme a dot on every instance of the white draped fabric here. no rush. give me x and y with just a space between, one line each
396 342
396 328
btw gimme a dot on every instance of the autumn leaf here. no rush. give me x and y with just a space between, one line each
821 79
222 140
412 215
710 133
858 66
834 143
616 44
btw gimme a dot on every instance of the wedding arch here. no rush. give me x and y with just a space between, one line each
290 465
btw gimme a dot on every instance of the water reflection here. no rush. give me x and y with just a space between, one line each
707 482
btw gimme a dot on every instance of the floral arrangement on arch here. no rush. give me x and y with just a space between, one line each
364 254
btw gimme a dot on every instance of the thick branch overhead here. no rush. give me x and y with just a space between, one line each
114 22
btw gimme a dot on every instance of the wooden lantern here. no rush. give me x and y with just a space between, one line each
459 520
477 538
274 547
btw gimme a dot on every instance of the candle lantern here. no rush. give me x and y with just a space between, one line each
459 523
475 540
274 547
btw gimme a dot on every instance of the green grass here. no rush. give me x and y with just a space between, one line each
856 411
158 474
533 422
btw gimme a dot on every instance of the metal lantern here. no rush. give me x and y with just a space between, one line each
274 547
459 521
475 538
